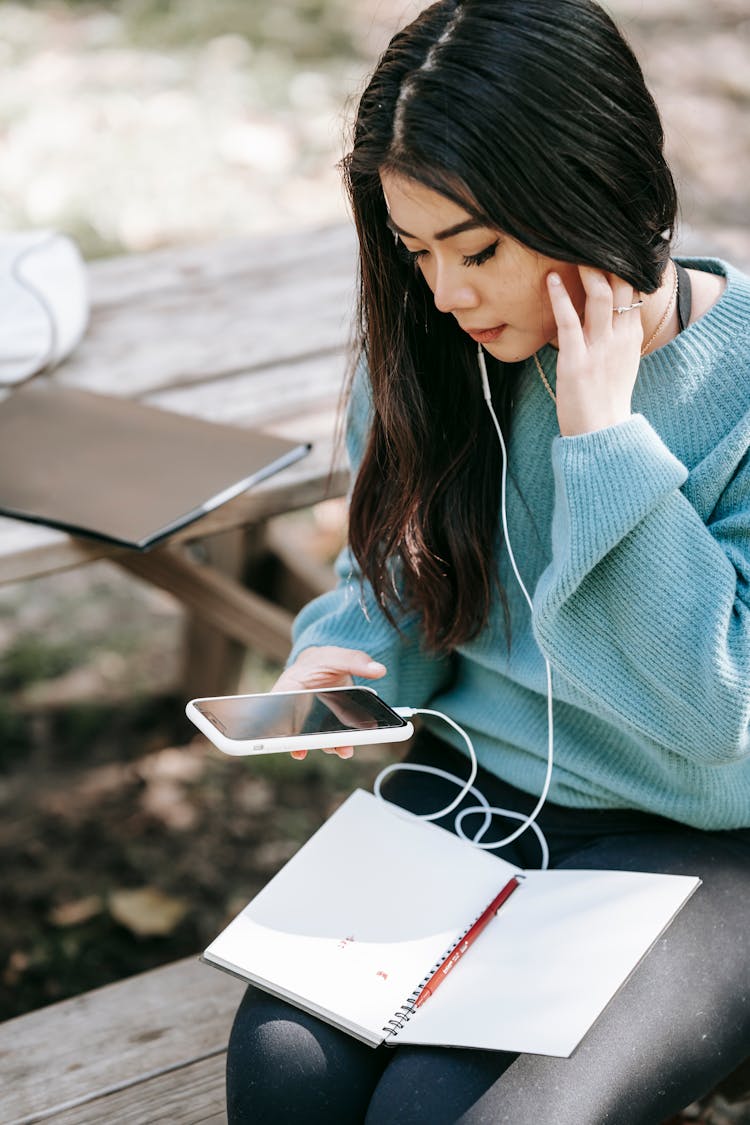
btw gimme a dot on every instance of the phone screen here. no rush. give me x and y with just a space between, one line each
279 715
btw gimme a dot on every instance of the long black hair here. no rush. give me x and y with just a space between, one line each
533 116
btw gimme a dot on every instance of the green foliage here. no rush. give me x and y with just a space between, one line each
30 658
14 736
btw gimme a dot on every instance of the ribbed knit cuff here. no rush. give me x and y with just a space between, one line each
606 482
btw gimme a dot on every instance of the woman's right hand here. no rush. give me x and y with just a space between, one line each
326 667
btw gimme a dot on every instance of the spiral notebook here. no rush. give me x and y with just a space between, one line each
356 922
117 470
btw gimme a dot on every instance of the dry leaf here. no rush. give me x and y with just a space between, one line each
169 804
254 794
271 855
147 911
76 912
17 964
175 764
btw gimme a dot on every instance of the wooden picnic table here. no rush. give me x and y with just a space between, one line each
251 331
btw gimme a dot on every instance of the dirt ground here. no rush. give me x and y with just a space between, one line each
123 845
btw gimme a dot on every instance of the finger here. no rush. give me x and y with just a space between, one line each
298 754
599 302
569 331
327 667
341 751
622 291
625 295
353 661
301 678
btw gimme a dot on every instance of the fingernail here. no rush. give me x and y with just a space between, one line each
348 752
554 279
375 667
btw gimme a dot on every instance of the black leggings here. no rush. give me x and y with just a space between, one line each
678 1026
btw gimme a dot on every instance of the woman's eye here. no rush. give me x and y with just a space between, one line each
483 255
411 257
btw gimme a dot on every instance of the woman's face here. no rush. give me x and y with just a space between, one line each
493 285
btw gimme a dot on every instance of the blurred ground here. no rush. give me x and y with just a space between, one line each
142 123
145 123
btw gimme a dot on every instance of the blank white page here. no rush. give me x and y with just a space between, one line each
549 962
354 922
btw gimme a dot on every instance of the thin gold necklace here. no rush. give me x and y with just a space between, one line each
665 317
667 312
543 377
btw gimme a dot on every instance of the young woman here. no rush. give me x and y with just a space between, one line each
511 198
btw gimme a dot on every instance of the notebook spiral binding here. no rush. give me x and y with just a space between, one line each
404 1013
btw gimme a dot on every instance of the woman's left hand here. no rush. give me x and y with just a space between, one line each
599 353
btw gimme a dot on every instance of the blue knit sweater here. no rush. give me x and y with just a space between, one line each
636 542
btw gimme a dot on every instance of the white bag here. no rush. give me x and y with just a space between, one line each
44 302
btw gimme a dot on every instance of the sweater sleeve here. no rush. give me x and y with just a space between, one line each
645 609
349 616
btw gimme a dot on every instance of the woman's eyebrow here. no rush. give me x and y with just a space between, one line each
441 235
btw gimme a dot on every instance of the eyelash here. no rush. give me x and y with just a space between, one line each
483 255
413 256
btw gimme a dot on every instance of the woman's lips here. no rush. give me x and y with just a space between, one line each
485 335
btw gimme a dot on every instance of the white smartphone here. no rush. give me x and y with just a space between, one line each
297 720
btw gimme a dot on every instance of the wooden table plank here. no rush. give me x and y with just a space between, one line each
191 1095
109 1040
135 277
198 324
288 389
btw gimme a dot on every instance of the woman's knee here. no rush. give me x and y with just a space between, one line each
284 1065
439 1086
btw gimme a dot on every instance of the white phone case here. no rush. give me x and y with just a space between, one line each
399 732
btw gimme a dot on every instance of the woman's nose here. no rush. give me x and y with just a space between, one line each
452 291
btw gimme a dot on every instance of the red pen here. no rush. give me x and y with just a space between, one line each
466 941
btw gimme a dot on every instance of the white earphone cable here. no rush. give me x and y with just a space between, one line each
467 786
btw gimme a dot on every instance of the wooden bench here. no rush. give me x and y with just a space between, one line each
148 1049
249 331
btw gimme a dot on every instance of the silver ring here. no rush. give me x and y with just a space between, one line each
620 309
